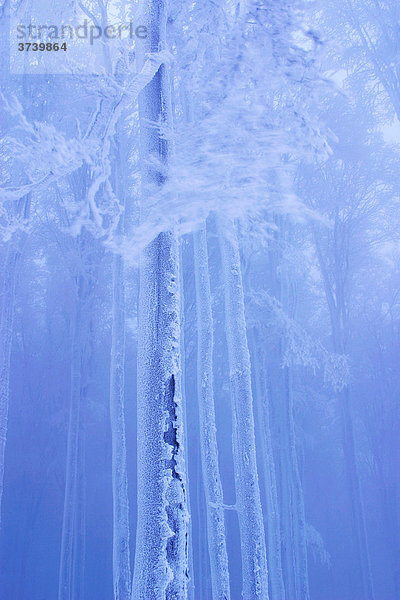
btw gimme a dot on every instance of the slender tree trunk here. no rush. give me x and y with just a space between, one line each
338 311
355 493
6 330
300 562
80 521
122 578
7 318
208 438
72 553
392 505
121 558
161 561
201 557
290 493
248 501
263 431
191 582
289 487
66 586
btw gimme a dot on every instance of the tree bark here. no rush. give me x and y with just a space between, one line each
121 559
66 587
263 433
248 501
161 561
208 435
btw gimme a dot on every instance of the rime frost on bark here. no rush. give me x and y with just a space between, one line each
208 438
161 560
248 502
191 582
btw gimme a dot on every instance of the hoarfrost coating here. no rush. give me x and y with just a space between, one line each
199 335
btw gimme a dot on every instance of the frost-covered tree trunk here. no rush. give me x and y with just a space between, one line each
161 560
121 559
248 501
191 582
208 438
202 572
263 430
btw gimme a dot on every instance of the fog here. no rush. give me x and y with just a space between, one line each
200 302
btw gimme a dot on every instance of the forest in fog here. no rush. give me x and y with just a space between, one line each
200 300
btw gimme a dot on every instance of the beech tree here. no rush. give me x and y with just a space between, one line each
199 227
